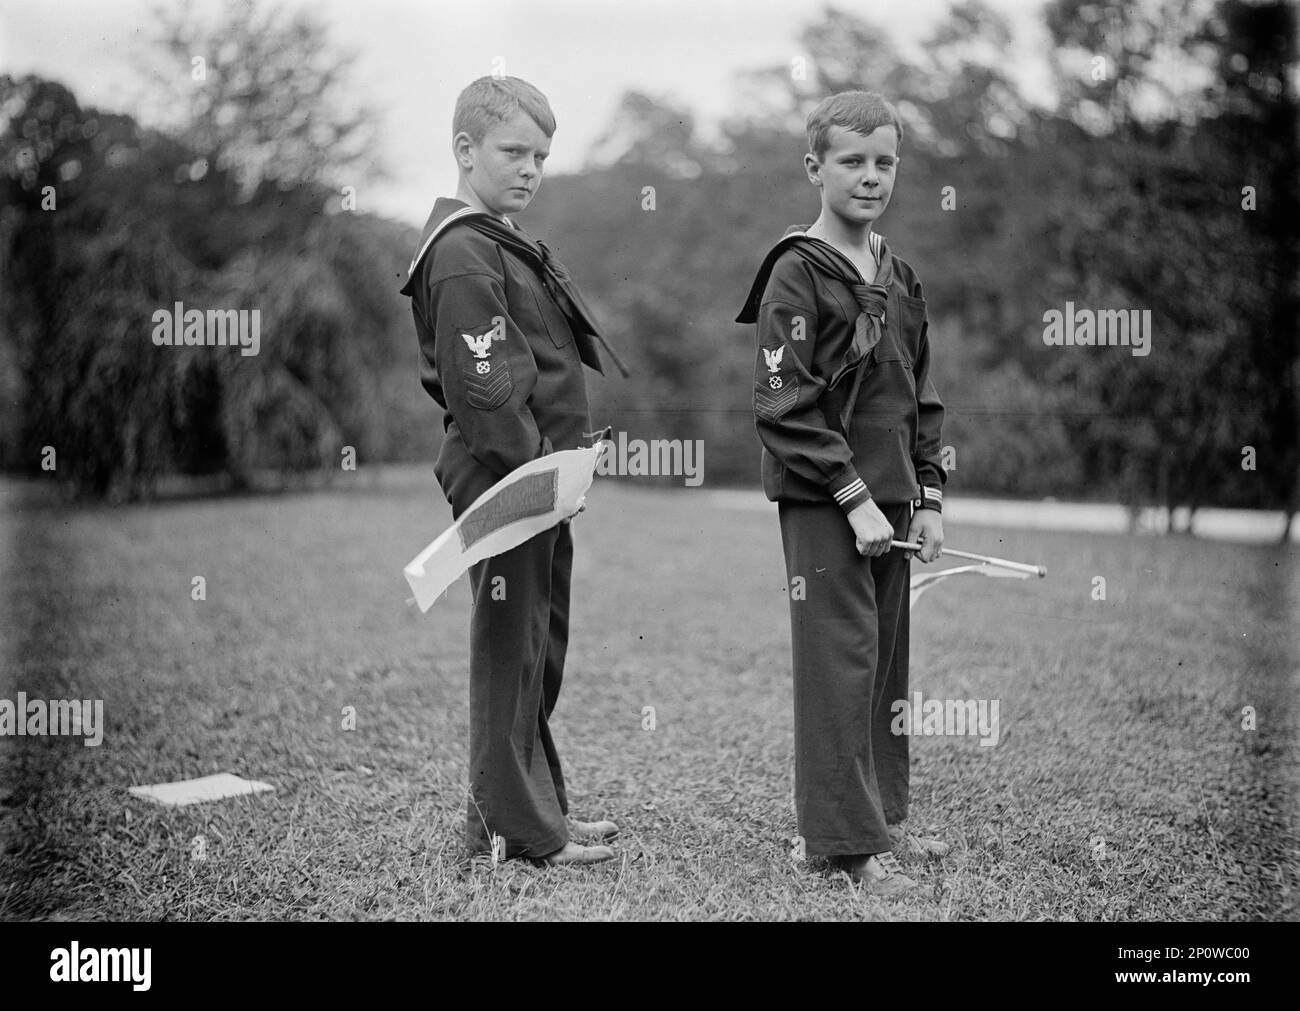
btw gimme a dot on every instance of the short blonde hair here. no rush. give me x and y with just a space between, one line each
859 111
490 100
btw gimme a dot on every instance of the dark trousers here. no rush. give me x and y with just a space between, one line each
519 635
850 647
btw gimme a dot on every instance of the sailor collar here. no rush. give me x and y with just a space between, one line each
433 230
827 257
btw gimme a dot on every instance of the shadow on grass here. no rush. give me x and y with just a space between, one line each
36 872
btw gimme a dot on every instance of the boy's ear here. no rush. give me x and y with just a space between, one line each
813 167
462 147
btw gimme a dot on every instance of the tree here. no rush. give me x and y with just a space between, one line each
102 224
1259 122
1151 215
84 265
653 134
1125 65
262 94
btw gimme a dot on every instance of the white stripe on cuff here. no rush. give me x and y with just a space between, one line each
849 490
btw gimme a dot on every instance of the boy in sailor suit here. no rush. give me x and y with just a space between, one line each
504 335
850 425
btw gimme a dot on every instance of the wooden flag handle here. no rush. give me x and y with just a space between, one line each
1034 570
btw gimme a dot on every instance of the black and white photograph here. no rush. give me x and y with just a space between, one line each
702 460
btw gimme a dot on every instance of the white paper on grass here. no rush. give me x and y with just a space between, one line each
924 580
196 791
445 560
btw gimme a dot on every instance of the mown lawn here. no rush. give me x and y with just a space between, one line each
1124 787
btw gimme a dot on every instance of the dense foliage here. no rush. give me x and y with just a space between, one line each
1146 186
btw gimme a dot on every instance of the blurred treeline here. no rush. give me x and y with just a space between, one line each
1127 192
1161 175
241 203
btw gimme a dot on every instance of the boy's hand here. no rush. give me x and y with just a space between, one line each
872 530
927 530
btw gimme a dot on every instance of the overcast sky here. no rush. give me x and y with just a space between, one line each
414 56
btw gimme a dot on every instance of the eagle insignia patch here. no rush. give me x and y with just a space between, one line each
778 395
488 383
481 346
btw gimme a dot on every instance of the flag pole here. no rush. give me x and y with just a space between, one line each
1033 570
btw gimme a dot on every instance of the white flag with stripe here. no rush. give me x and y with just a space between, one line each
922 581
528 500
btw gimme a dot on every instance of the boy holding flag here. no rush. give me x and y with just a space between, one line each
850 425
504 335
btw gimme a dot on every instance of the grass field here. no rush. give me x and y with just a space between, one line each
1123 788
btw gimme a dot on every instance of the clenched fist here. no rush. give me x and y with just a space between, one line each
927 530
872 530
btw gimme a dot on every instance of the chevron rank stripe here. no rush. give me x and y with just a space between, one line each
491 385
771 405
